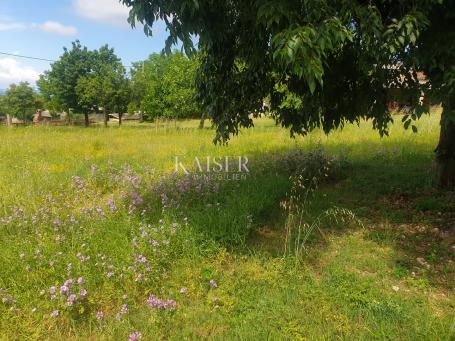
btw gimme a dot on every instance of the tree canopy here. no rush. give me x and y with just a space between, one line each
3 110
164 86
320 63
20 101
106 87
84 81
58 85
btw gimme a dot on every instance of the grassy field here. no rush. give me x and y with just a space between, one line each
100 240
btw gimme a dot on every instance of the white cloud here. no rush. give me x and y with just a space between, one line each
12 71
110 11
56 27
10 26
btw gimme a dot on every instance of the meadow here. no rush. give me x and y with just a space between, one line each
326 237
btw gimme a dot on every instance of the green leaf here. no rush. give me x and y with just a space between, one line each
406 124
312 84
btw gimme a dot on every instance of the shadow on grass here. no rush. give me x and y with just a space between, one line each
393 196
389 191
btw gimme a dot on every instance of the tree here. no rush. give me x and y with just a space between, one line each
319 63
58 85
2 105
20 101
164 86
3 109
106 86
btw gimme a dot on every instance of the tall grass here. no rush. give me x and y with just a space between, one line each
174 257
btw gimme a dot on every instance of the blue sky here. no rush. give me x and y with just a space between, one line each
41 29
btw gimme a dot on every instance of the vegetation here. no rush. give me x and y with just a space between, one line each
320 63
85 81
100 240
58 85
164 87
20 101
155 232
106 87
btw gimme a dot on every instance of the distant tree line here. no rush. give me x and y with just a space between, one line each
84 81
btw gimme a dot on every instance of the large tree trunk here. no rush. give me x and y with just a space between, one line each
120 119
106 118
87 122
445 151
8 120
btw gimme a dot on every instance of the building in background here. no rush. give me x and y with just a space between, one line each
42 116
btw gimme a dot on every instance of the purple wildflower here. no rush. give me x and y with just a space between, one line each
135 336
112 205
99 315
55 313
83 293
63 289
157 303
213 284
136 199
71 299
124 309
78 182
